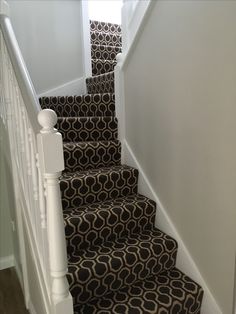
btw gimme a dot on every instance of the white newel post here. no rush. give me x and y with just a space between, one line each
51 163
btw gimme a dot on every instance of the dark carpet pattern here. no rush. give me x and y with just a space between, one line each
105 45
171 292
119 262
90 105
87 155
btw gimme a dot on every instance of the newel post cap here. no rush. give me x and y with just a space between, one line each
47 118
50 147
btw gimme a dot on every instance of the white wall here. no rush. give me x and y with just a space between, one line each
105 11
180 91
49 34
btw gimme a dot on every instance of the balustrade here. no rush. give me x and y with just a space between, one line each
36 158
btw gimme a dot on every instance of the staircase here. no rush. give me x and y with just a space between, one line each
119 262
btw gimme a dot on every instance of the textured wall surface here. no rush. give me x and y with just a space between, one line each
180 91
49 34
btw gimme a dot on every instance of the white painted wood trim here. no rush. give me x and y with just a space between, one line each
18 272
74 87
140 15
7 262
31 308
184 260
86 39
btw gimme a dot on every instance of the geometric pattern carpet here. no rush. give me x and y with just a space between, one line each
119 262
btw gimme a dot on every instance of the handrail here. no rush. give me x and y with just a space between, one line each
27 89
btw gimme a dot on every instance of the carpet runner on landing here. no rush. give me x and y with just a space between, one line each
119 262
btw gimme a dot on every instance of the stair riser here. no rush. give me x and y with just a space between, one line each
83 156
88 228
104 52
81 106
101 84
86 189
88 129
105 27
120 266
106 39
102 66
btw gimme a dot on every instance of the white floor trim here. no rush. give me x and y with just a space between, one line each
75 87
184 260
6 262
31 308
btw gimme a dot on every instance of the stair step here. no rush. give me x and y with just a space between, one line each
103 83
171 292
105 38
81 106
97 185
104 52
74 129
105 27
86 155
101 222
112 265
100 66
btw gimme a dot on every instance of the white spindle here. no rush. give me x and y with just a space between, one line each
33 164
41 195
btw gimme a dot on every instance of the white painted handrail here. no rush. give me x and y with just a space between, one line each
36 160
22 75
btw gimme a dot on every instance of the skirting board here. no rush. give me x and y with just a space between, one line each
6 262
184 259
75 87
31 308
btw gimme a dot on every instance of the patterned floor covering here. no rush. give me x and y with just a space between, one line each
119 262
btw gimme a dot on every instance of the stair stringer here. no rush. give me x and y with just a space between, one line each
185 261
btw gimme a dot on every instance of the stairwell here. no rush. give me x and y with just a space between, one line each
119 262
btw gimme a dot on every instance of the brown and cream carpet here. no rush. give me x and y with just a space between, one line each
119 262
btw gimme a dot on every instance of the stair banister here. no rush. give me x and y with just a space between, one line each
51 162
21 72
36 159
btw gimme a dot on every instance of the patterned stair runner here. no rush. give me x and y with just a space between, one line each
119 262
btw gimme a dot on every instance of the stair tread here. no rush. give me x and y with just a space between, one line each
104 61
91 154
104 221
94 172
101 66
96 104
101 76
98 128
104 52
104 38
105 26
170 292
94 185
102 83
115 264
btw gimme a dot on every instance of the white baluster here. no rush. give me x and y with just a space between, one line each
41 196
51 163
33 165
